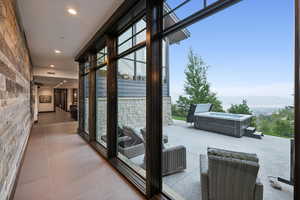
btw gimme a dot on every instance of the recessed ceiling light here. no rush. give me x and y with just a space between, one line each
52 65
57 51
72 11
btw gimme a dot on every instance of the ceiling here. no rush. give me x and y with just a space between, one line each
48 26
54 82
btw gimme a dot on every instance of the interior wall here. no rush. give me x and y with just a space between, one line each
46 107
15 98
70 97
35 103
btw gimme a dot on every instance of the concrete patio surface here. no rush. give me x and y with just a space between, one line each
273 153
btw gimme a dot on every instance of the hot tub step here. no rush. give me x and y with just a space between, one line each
251 129
255 134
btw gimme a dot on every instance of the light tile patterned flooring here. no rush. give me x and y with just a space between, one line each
60 165
54 117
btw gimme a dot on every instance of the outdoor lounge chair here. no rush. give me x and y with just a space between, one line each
130 141
173 158
130 144
133 147
198 108
228 175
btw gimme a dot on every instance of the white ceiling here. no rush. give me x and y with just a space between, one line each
48 26
52 81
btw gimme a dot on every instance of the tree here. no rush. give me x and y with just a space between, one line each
283 127
177 111
196 87
242 108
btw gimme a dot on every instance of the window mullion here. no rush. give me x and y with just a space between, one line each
154 12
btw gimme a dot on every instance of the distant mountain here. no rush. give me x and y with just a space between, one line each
259 104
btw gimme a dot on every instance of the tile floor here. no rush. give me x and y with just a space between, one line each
54 117
60 165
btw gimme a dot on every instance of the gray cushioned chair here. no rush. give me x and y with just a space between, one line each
228 175
174 158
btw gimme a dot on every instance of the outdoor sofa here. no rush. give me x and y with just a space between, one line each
228 175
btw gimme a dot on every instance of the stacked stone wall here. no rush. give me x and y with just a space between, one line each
15 100
131 112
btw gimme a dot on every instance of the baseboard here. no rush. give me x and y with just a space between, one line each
15 182
46 111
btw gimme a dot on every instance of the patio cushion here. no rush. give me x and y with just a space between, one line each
200 108
232 154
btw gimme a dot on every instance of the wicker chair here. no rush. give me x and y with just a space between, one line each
228 175
174 158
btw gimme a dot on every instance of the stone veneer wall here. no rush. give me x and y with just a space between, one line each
15 112
131 112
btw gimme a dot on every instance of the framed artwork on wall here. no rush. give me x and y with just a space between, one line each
45 99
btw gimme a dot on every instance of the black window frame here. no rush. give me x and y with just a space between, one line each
132 50
84 73
126 15
99 145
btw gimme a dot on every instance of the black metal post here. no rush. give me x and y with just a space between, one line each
92 95
80 97
154 25
112 97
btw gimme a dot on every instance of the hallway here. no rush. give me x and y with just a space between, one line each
54 117
60 165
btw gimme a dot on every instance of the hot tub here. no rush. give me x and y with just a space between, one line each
224 123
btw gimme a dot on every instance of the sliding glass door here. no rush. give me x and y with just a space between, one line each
101 97
131 79
155 106
86 95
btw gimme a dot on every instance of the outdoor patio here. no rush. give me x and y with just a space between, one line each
273 154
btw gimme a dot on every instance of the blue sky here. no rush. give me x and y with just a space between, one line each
248 46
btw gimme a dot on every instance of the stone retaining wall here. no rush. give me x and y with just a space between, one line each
131 112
